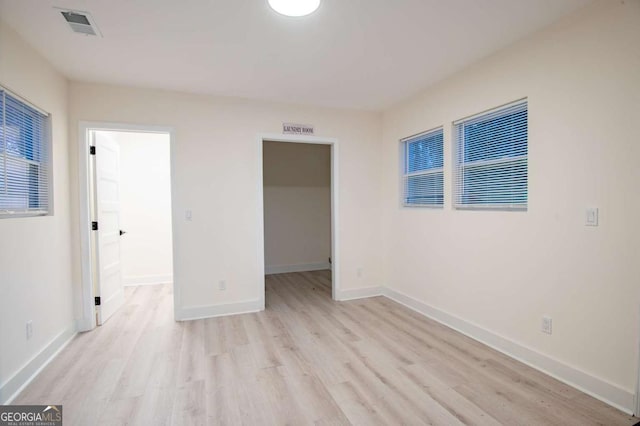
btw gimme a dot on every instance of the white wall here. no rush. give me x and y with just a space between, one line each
297 206
35 253
215 173
145 207
581 78
502 271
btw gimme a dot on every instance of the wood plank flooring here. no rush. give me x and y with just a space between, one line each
305 360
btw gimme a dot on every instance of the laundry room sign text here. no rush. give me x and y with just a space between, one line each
297 129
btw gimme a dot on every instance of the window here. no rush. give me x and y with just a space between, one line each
423 175
491 159
24 167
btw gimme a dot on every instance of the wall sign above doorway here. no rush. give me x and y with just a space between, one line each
297 129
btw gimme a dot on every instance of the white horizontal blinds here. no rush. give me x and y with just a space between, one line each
491 159
423 169
24 178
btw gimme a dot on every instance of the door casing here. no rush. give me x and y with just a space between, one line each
87 320
335 241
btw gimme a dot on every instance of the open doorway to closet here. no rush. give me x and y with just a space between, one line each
129 243
298 217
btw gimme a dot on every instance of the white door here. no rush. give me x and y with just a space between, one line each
110 287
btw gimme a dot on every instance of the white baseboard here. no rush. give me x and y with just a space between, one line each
359 293
13 386
210 311
303 267
135 280
598 388
591 385
84 324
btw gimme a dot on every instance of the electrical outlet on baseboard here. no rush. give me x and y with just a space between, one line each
547 325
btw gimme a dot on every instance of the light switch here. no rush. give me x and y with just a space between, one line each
188 215
592 217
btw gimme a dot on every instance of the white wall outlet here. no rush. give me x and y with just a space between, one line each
547 326
188 215
360 272
29 329
591 218
222 285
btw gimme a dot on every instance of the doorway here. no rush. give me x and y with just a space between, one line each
298 200
125 178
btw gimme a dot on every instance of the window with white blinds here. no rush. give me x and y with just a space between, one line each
491 159
423 179
24 166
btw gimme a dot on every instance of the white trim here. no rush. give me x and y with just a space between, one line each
21 379
83 324
210 311
335 217
418 136
360 293
88 320
260 210
301 267
135 280
637 396
609 393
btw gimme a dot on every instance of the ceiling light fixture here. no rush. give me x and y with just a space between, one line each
294 7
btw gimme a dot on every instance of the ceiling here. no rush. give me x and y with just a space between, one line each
366 54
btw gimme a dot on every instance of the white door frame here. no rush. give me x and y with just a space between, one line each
335 242
88 319
636 411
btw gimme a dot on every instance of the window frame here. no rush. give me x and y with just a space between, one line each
459 165
45 165
404 167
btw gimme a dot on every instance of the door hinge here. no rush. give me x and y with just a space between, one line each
94 226
97 300
92 150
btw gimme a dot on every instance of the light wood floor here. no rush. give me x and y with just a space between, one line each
305 360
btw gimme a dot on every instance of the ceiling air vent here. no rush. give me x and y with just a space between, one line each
80 22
